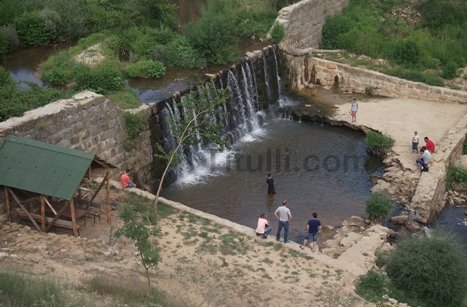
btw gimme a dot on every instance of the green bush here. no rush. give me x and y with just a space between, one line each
180 53
456 175
106 77
215 34
450 70
371 286
9 40
125 99
134 124
14 102
277 33
378 206
382 258
33 29
433 270
406 52
146 69
9 10
378 143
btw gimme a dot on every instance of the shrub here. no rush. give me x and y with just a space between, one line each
382 258
134 124
371 286
58 69
215 33
433 270
378 143
125 99
33 29
277 33
180 53
9 10
406 52
9 40
449 70
105 77
146 69
455 175
332 30
378 206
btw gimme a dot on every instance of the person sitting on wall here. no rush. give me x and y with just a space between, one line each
126 181
424 159
429 144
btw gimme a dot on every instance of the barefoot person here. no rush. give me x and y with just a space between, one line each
354 110
126 181
283 214
314 227
263 228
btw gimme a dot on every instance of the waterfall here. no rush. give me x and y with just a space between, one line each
266 79
278 78
239 116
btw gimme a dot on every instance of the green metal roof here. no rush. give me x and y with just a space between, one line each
42 168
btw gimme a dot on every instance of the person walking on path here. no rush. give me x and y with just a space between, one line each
263 228
415 141
429 144
126 181
284 216
424 159
314 227
354 110
270 183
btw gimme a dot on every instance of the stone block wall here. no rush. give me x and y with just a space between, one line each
430 195
304 21
88 122
303 70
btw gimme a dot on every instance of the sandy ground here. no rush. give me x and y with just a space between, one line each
400 117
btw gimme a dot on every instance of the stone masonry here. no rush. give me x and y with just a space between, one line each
304 21
305 70
88 122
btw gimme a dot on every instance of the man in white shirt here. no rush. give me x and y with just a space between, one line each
284 216
424 159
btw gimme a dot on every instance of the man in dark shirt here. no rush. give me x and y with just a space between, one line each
270 182
314 227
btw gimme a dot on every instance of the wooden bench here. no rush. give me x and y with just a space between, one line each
48 220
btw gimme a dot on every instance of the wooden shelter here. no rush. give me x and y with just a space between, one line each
46 182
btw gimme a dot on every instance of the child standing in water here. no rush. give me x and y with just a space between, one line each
415 140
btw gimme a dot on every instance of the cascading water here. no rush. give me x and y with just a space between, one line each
238 116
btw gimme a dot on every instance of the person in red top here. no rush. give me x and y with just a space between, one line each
429 144
126 181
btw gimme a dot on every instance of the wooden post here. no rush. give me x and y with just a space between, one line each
107 197
73 218
7 203
25 210
42 214
56 217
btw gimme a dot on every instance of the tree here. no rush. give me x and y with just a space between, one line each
196 125
138 229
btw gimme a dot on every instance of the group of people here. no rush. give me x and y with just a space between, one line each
284 216
426 152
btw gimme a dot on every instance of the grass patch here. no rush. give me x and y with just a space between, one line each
24 290
379 144
378 207
130 294
382 258
232 243
125 99
455 175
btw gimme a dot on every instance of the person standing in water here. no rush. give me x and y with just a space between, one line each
270 183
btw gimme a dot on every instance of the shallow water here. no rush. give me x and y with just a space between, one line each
316 168
451 219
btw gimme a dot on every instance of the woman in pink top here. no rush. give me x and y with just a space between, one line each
263 228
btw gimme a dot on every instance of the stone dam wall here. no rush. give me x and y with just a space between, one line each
87 122
304 21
